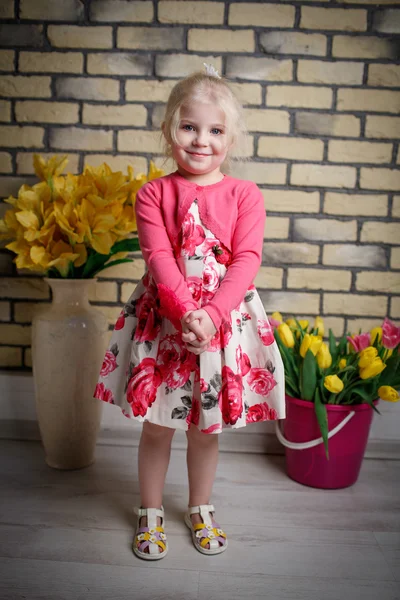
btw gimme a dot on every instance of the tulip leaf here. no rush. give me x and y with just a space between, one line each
291 371
322 418
309 376
342 345
388 374
332 346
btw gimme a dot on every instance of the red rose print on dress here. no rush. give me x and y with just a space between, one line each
203 386
175 361
242 361
194 413
261 381
149 320
210 277
142 386
102 393
206 248
265 332
109 363
230 396
221 338
216 428
120 321
194 284
192 235
261 412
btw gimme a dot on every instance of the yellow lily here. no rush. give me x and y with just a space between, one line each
97 226
386 392
64 255
333 383
45 170
53 223
154 171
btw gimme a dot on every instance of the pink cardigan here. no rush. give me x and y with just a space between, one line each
233 209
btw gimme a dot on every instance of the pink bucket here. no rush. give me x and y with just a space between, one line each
306 460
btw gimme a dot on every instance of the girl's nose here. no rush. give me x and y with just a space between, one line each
201 138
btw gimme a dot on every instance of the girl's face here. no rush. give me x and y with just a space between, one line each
202 142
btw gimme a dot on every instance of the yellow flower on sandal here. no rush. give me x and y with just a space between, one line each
207 532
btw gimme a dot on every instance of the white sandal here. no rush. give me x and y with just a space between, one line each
208 532
152 536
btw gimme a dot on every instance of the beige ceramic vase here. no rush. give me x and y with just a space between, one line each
68 345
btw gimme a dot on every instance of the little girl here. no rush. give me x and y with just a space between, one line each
192 348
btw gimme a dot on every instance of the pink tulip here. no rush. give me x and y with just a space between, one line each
274 322
359 342
390 334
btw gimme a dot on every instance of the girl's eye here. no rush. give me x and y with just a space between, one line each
187 127
216 131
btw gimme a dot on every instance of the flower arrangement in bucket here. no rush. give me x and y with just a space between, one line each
74 226
357 369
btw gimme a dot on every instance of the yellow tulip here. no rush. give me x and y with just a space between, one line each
291 323
376 332
388 354
324 358
367 356
342 363
312 342
286 335
319 324
372 369
333 383
277 316
386 392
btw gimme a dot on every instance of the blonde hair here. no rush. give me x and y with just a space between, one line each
200 87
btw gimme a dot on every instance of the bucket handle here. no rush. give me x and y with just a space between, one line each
312 443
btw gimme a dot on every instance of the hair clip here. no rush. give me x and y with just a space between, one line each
211 71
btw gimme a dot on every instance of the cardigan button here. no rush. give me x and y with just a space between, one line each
198 188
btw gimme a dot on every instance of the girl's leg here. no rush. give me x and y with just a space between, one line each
202 461
154 455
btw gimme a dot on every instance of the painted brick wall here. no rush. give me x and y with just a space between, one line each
320 81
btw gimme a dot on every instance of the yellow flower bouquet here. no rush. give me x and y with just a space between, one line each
74 226
356 369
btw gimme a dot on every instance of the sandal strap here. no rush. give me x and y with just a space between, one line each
145 512
193 510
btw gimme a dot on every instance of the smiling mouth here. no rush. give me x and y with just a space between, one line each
198 154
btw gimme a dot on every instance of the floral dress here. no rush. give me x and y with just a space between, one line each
149 373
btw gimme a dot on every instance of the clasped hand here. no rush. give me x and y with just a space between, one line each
197 330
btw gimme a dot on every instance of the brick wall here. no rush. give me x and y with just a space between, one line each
320 81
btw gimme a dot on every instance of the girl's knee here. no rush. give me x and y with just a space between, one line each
157 432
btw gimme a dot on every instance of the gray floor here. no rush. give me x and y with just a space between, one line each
67 535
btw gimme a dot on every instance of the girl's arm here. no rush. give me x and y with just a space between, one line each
175 296
247 243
